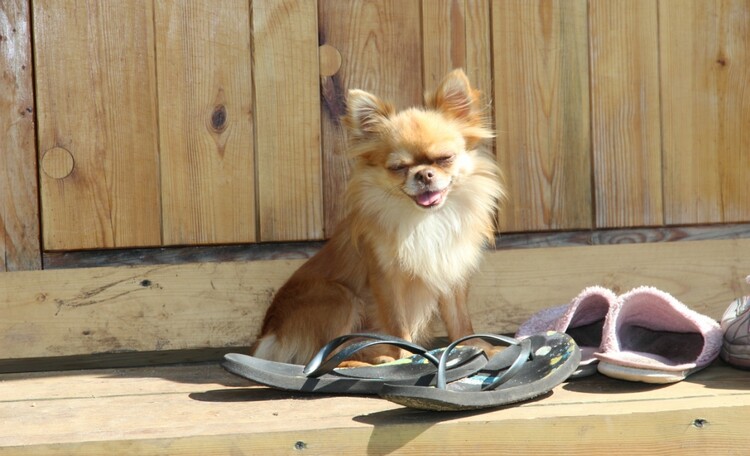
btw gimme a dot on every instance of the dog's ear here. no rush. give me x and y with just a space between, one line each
455 97
366 113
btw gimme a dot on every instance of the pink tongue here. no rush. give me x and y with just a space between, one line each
429 198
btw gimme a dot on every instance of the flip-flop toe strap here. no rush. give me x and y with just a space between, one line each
523 356
520 360
319 365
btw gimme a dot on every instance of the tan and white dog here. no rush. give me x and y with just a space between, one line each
421 206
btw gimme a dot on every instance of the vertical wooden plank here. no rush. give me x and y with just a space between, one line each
540 52
381 52
456 34
287 119
478 63
705 85
19 210
96 98
205 120
625 121
443 39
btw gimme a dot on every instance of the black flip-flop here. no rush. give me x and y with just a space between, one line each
527 369
322 376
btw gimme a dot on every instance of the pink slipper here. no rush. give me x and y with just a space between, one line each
654 338
735 323
582 319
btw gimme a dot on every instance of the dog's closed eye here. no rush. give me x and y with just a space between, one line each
397 167
445 160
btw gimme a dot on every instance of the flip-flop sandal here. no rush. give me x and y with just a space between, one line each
321 374
652 337
582 319
526 369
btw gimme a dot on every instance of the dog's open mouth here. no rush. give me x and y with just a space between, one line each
430 198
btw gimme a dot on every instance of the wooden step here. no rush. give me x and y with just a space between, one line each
200 409
194 306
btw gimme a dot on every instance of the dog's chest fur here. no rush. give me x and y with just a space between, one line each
439 249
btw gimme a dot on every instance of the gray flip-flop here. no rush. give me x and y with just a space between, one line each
322 376
527 369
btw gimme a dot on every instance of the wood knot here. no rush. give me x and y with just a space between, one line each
330 60
58 163
219 118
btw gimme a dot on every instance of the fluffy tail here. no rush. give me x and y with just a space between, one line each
291 351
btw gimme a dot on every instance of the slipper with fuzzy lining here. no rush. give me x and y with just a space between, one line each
525 370
322 375
654 338
582 319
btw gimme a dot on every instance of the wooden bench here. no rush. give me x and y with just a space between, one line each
156 314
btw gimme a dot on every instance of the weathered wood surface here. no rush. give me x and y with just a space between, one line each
542 113
304 250
191 306
156 128
287 120
625 123
19 203
97 115
100 310
457 34
705 92
203 410
203 61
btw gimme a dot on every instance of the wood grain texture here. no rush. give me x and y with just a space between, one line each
705 85
181 410
513 284
164 307
287 119
304 250
67 312
443 38
96 100
205 121
540 52
381 48
478 62
19 203
625 116
457 34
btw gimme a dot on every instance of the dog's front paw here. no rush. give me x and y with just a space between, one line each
351 364
383 359
488 348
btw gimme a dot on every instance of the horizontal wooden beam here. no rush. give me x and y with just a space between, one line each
302 250
69 312
144 308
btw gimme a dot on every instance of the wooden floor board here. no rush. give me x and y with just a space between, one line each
201 409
